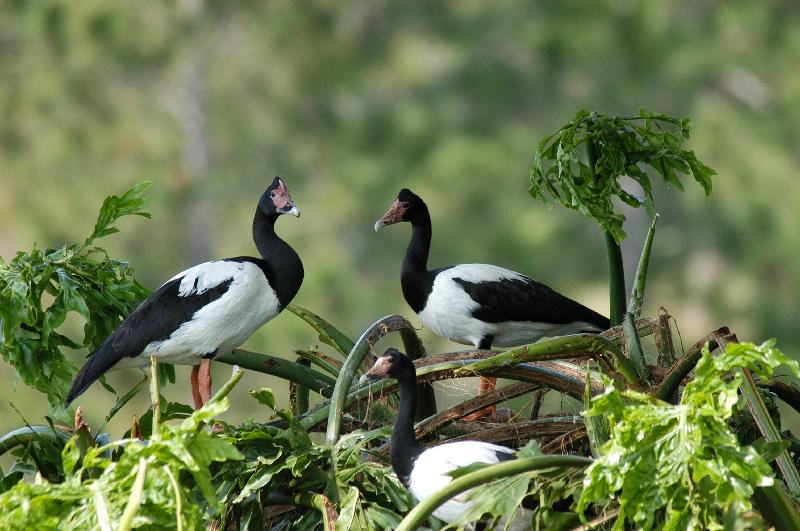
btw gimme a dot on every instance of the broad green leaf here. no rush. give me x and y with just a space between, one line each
626 146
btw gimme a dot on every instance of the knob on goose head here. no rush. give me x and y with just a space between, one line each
276 200
407 207
390 364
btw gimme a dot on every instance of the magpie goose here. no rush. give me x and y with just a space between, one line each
209 309
424 471
480 304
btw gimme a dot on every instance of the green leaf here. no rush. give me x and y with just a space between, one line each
264 396
632 146
130 203
683 458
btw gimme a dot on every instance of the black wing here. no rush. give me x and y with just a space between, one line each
163 312
524 299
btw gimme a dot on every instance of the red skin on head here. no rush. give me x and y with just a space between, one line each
395 213
381 367
280 196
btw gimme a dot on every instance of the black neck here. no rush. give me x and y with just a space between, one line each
413 275
281 264
404 446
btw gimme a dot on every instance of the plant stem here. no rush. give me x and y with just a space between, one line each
635 351
155 397
29 434
363 346
616 268
288 370
328 333
616 279
571 346
135 499
301 391
686 364
426 507
776 507
226 389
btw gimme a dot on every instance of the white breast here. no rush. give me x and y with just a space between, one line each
430 472
225 323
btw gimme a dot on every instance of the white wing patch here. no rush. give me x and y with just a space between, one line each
481 273
203 277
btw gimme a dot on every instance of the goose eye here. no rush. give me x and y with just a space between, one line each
272 194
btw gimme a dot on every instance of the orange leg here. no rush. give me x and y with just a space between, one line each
486 384
198 402
204 380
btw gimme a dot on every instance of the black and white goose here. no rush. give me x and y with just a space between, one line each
207 310
424 471
480 304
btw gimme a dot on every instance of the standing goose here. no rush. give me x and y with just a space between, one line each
425 471
480 304
209 309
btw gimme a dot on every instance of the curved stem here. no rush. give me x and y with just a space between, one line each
687 363
328 333
29 434
360 350
425 508
288 370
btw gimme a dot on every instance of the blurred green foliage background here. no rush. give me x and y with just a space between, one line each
350 101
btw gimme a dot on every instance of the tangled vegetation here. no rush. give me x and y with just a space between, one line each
668 439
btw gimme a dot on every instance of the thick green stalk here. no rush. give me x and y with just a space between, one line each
426 507
572 346
637 292
300 401
616 280
635 349
288 370
355 359
329 365
776 507
771 434
311 500
687 363
596 426
616 268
